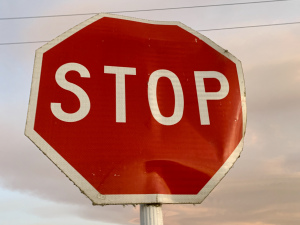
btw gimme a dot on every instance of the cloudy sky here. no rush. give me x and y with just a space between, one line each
263 188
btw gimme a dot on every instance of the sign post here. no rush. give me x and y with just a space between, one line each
151 214
138 112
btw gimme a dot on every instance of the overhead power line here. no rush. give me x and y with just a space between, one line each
212 29
250 26
148 10
22 42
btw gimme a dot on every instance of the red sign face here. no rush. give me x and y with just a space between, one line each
138 111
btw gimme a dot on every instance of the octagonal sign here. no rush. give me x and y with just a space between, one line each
136 111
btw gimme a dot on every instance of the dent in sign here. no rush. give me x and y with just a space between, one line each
120 74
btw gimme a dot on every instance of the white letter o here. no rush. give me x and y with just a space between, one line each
152 97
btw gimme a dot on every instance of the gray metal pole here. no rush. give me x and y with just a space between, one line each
151 214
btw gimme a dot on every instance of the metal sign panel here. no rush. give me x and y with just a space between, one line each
136 111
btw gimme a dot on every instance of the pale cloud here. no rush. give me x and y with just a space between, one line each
278 87
246 223
185 214
275 166
241 207
252 138
282 166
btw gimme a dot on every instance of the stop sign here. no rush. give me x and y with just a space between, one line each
136 111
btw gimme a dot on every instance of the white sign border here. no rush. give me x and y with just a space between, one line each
76 177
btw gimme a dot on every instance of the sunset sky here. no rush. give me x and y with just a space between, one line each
263 187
